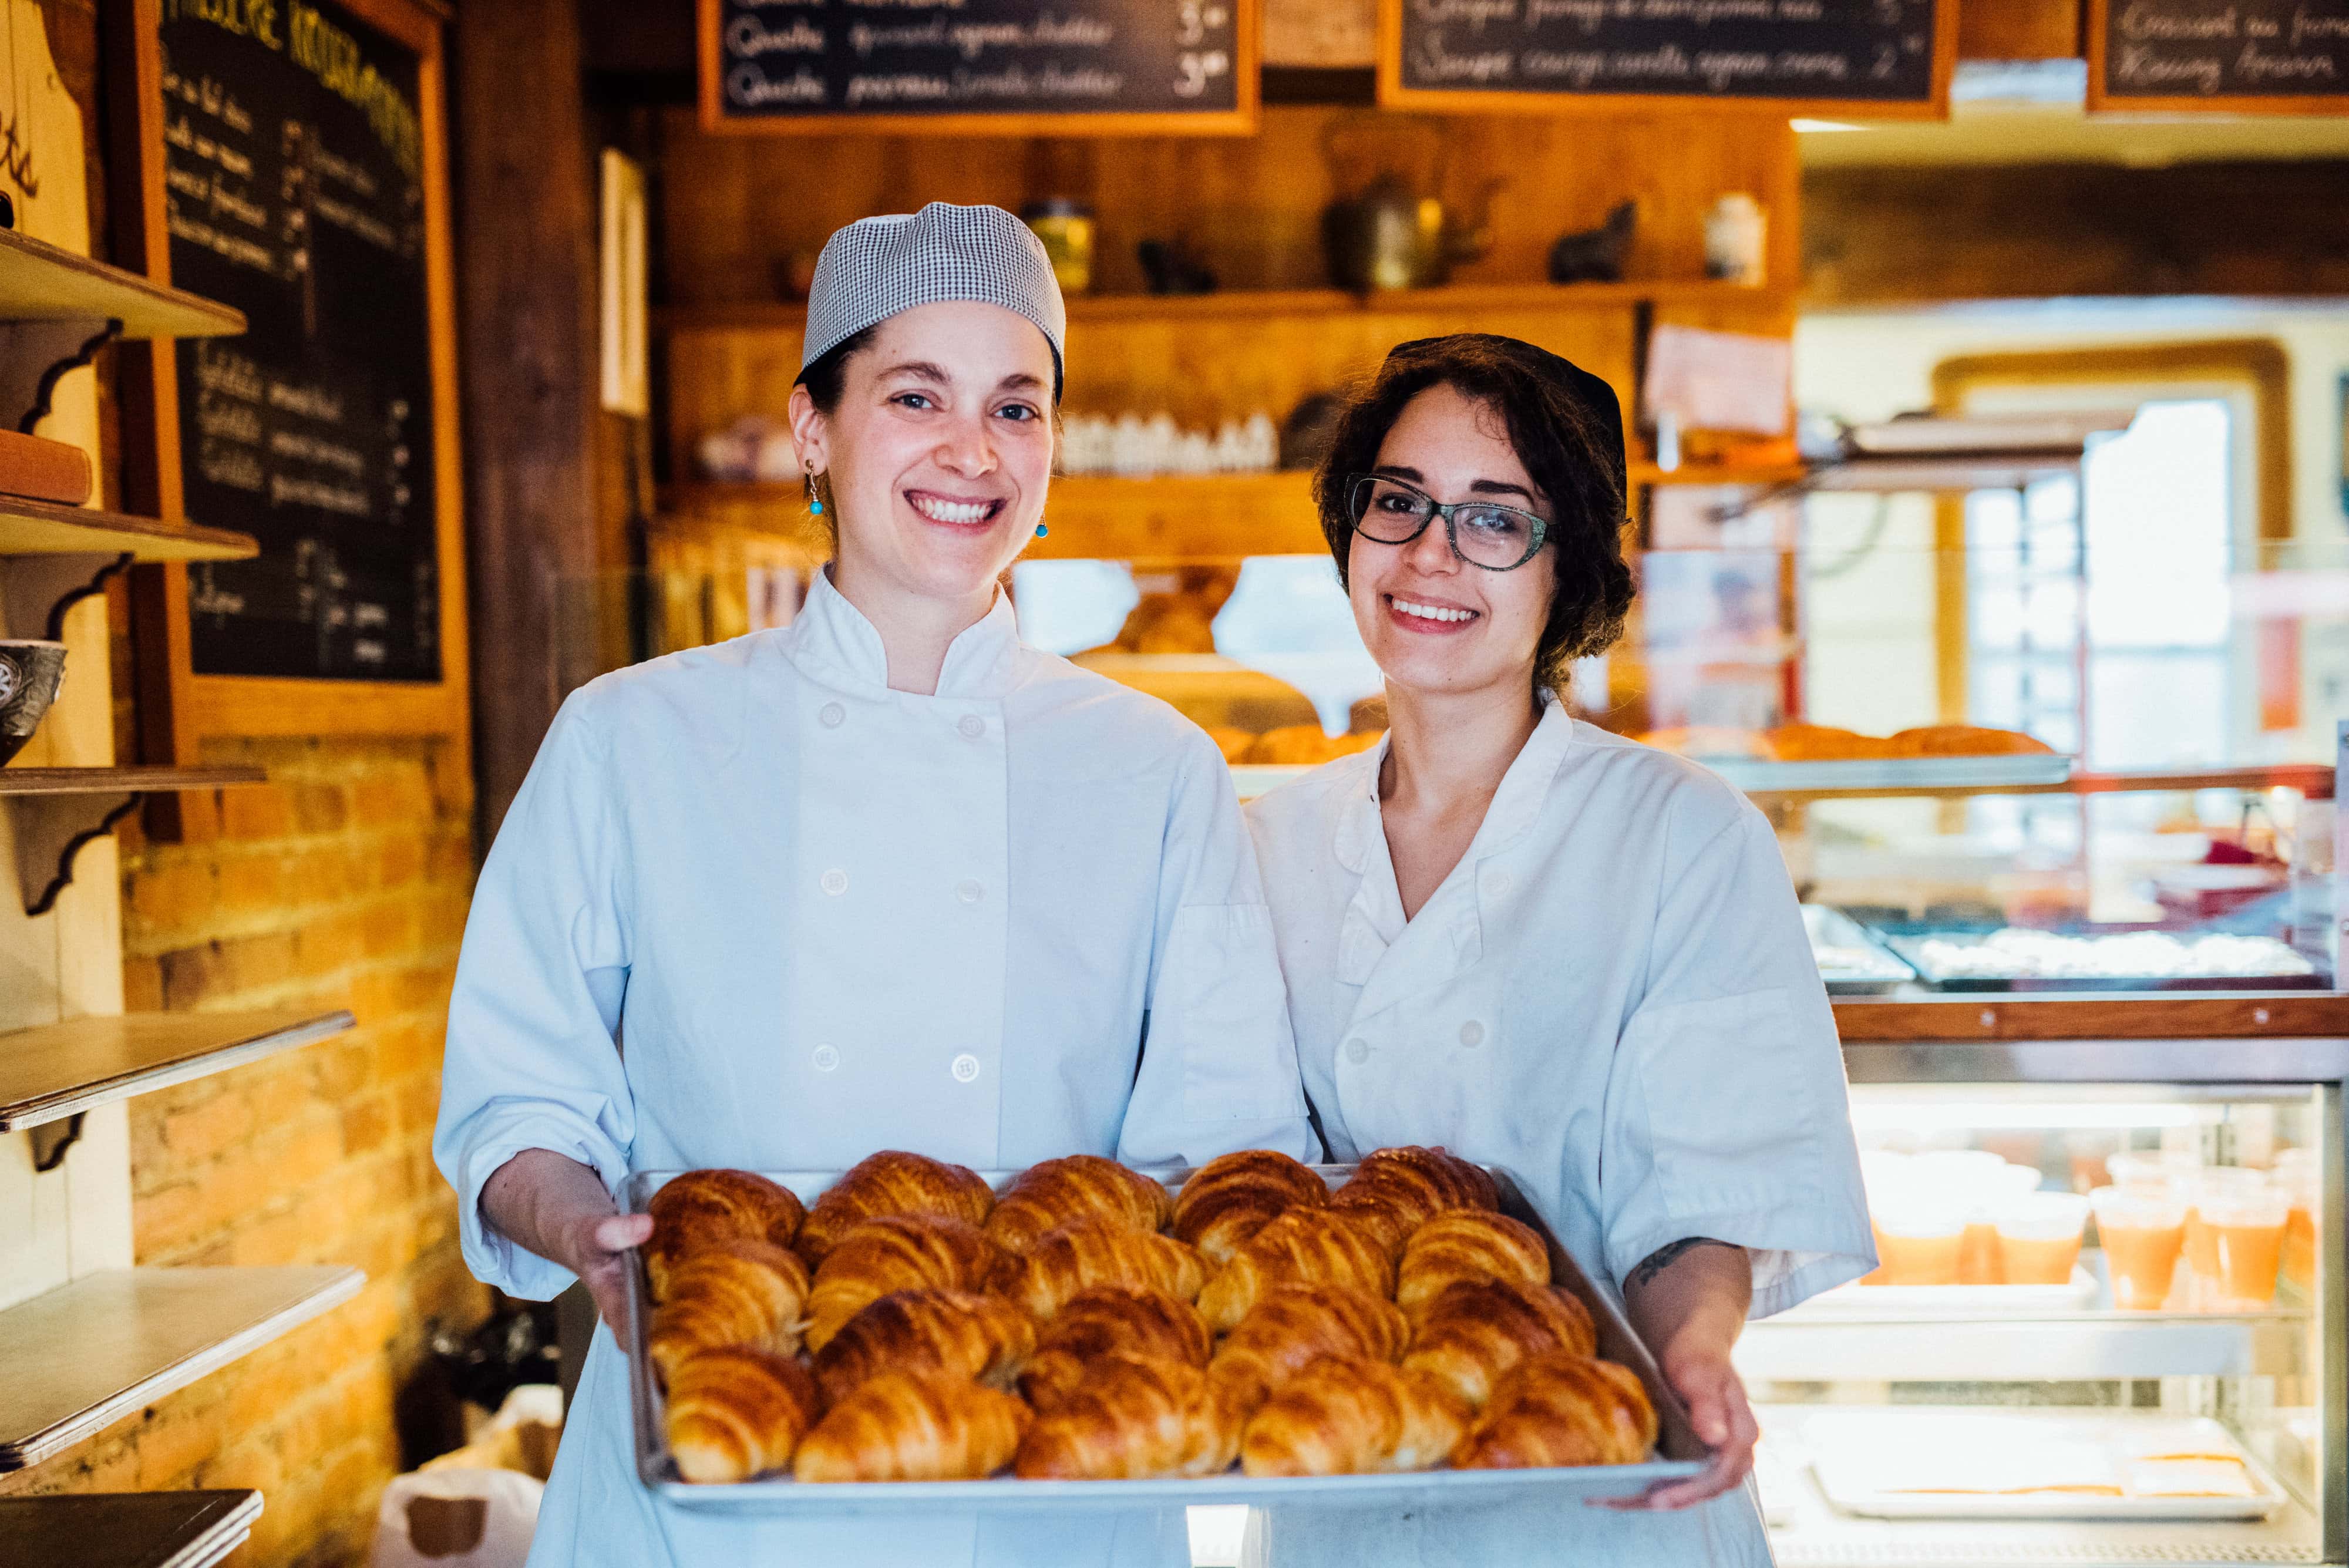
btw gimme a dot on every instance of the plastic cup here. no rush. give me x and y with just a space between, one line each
2295 1174
2143 1231
2038 1237
2247 1232
1919 1242
2202 1186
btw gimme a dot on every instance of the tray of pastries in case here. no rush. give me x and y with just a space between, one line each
1803 758
2015 958
1079 1332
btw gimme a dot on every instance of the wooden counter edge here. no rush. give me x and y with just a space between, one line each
2126 1016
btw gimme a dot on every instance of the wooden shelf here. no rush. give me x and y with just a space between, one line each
38 282
113 780
61 1070
127 1529
41 528
54 812
86 1354
1257 304
1646 472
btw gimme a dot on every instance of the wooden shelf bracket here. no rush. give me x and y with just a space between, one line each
34 355
50 831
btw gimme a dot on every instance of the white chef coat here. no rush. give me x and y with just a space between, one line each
1611 996
827 918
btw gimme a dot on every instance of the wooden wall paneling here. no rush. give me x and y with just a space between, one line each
2018 30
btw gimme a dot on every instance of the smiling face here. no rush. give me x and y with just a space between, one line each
939 450
1435 623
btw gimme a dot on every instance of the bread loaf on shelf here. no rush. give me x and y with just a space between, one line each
1110 1320
1562 1409
1064 1191
1468 1244
1311 1246
892 1182
914 1426
1294 1325
1133 1419
959 1333
1353 1416
897 1253
1965 741
1234 1195
1396 1190
738 1412
732 1291
1091 1253
700 1206
1474 1331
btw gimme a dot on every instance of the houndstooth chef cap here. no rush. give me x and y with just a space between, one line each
876 267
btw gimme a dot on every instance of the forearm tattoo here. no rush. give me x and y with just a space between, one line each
1664 1258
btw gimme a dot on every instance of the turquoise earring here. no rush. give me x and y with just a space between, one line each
815 502
1041 530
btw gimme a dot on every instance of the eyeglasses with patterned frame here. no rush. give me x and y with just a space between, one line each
1482 533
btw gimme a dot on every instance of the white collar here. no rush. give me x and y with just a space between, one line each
832 639
1516 805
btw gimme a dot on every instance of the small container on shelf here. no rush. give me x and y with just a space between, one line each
2039 1237
2143 1231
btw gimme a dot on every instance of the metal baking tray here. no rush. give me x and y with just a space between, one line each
1680 1451
1863 775
1878 969
1908 941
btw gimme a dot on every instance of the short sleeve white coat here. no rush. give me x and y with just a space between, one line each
753 907
1612 996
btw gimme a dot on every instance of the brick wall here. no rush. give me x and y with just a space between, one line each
342 883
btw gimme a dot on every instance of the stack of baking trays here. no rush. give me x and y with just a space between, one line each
1082 1333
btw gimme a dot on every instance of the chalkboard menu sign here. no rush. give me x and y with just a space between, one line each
2226 56
989 68
293 191
1882 58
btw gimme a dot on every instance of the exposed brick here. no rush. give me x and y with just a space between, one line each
142 984
320 807
203 1131
193 976
256 812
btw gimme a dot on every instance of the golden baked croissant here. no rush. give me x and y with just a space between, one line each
1468 1244
1352 1417
897 1252
1234 1195
1082 1187
892 1182
733 1292
1136 1418
914 1426
1400 1190
737 1412
700 1206
1475 1330
1562 1409
1312 1246
1091 1253
1110 1320
955 1331
1292 1326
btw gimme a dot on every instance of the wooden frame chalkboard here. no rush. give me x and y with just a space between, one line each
1227 35
179 702
2217 57
1914 42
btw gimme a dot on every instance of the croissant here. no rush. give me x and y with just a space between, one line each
1234 1195
1314 1246
892 1182
914 1426
1135 1418
1110 1320
1292 1326
700 1206
1082 1187
952 1331
1349 1415
1468 1244
1562 1409
1089 1253
897 1252
737 1412
734 1291
1400 1190
1475 1330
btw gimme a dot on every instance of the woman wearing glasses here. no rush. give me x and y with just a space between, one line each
1547 948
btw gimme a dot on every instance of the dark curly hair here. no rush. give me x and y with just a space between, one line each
1571 448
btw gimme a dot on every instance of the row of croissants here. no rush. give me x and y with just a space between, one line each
1086 1325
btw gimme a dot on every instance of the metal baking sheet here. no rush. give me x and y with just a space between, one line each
1860 775
1680 1451
1881 970
1909 944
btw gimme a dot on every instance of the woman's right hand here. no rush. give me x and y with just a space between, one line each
557 1208
595 1248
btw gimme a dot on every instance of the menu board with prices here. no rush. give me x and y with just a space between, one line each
980 67
1876 58
2220 56
293 187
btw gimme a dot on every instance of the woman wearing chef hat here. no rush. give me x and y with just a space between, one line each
1547 948
884 878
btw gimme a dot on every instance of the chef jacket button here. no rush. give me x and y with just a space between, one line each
965 1068
972 726
1357 1051
835 882
1471 1033
969 892
826 1058
831 715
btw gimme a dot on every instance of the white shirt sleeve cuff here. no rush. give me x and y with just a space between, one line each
492 1256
